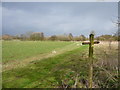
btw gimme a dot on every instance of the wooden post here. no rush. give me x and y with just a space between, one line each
91 44
91 37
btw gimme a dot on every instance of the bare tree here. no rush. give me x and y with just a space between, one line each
92 32
42 36
70 36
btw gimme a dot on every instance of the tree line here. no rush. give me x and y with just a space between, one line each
39 36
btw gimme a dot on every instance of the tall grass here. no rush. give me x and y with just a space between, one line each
106 65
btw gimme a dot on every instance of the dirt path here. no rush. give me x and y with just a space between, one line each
22 63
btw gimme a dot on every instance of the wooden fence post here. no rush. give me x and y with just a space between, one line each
91 37
91 44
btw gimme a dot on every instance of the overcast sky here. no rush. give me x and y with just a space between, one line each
59 18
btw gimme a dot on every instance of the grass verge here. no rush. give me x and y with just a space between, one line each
52 72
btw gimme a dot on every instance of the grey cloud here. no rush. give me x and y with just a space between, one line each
59 18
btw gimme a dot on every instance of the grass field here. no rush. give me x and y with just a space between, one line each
68 67
18 50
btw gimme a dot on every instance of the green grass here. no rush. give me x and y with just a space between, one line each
49 73
37 67
19 50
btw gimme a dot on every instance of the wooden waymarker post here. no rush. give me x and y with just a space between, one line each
91 43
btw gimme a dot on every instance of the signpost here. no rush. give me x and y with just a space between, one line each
91 43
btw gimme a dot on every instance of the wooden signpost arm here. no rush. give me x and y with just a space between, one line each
85 43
